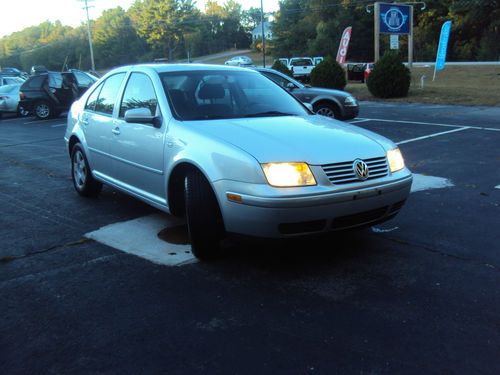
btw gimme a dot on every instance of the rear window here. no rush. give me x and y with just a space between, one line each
301 62
35 82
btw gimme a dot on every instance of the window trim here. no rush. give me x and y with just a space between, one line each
125 89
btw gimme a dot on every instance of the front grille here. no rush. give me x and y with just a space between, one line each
359 218
343 173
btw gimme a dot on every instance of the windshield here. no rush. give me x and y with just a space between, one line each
219 94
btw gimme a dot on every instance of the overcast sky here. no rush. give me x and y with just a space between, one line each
18 14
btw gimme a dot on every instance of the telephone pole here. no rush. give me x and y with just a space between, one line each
86 8
263 35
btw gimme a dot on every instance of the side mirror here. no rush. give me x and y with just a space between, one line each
142 116
290 86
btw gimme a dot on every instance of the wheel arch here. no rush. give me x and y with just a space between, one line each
330 101
175 186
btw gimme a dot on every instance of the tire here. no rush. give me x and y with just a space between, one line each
203 216
21 112
42 110
81 174
327 110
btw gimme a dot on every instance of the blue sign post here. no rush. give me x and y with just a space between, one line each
394 19
442 47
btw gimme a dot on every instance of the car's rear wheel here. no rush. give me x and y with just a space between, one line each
81 174
203 216
42 110
328 110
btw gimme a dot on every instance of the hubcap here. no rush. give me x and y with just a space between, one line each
79 170
325 111
42 110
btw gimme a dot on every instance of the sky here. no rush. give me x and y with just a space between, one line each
24 13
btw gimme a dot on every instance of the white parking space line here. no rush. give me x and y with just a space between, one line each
140 237
357 121
422 182
497 187
432 135
57 125
428 123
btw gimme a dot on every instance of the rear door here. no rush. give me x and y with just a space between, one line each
97 122
138 148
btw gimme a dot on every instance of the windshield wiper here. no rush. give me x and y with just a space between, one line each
270 113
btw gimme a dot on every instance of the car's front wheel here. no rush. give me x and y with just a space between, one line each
203 216
328 110
81 174
42 110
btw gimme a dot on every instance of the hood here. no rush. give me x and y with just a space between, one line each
312 139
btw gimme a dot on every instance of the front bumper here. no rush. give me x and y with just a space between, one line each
350 112
282 217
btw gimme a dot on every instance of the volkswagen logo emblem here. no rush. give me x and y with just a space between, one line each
360 169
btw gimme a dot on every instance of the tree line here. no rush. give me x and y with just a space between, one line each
177 29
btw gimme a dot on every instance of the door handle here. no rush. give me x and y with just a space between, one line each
84 121
116 131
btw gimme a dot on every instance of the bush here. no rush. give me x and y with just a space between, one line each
280 67
390 78
328 74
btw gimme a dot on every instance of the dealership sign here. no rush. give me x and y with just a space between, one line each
344 45
394 19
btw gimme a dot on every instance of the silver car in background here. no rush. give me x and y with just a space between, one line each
232 152
242 61
9 99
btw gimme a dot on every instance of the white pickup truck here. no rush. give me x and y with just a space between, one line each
301 66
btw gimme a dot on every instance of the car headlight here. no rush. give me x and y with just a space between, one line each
350 102
288 174
396 161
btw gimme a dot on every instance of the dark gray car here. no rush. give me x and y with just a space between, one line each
327 102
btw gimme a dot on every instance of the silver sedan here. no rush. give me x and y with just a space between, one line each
231 151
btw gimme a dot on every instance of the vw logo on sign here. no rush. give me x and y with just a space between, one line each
361 169
394 19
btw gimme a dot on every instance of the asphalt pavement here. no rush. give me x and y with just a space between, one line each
419 294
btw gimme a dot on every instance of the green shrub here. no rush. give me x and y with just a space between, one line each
390 78
280 67
328 74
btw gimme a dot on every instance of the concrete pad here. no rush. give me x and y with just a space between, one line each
422 182
140 237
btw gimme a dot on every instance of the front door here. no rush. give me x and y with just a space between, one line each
138 149
97 122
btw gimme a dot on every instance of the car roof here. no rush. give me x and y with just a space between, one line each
166 68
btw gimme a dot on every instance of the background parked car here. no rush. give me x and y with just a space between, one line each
13 72
368 70
318 59
9 99
327 102
240 61
10 80
47 95
355 71
301 67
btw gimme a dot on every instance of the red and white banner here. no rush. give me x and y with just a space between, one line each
344 45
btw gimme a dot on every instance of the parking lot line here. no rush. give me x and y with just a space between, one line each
356 121
497 187
432 135
57 125
427 123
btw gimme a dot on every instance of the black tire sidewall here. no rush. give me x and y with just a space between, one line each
203 216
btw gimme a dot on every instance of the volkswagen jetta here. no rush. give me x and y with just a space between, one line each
232 152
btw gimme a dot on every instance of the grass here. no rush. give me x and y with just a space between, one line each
466 85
